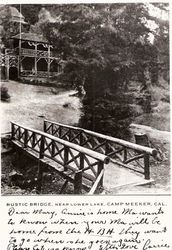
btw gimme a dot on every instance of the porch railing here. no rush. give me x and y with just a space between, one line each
44 74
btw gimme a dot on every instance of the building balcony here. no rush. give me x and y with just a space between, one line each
36 53
30 52
10 52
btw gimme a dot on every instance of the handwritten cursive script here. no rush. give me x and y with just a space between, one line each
87 227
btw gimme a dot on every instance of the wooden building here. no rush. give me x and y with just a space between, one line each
29 56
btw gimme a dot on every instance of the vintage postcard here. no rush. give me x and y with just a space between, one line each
85 125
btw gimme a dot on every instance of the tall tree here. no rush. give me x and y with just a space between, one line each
104 46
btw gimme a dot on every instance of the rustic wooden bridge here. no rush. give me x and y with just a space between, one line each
80 155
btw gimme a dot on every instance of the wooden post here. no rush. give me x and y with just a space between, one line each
40 174
48 62
146 167
12 131
52 129
78 177
48 68
81 161
25 138
40 166
19 134
99 169
107 148
64 186
81 138
41 150
53 149
66 157
36 61
142 139
70 136
7 63
45 127
19 58
78 183
125 154
33 142
60 131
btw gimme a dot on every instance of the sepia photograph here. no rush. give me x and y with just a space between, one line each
85 99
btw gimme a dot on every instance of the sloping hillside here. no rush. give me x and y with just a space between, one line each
151 108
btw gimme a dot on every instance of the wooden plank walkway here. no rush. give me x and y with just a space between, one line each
116 177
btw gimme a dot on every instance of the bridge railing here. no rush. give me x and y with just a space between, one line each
120 151
83 164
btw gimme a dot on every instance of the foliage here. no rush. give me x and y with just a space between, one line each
105 46
4 93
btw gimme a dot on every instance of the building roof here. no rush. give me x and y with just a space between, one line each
31 37
15 13
12 13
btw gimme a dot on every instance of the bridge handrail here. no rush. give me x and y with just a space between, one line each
89 152
143 149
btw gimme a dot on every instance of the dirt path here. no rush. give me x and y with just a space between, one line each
30 104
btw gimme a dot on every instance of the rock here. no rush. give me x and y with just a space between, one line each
15 178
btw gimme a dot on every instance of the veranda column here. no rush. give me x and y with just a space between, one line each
36 61
48 62
7 65
19 57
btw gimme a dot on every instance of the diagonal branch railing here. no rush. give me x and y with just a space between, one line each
83 164
123 153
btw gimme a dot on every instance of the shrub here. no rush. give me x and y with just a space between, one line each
4 93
